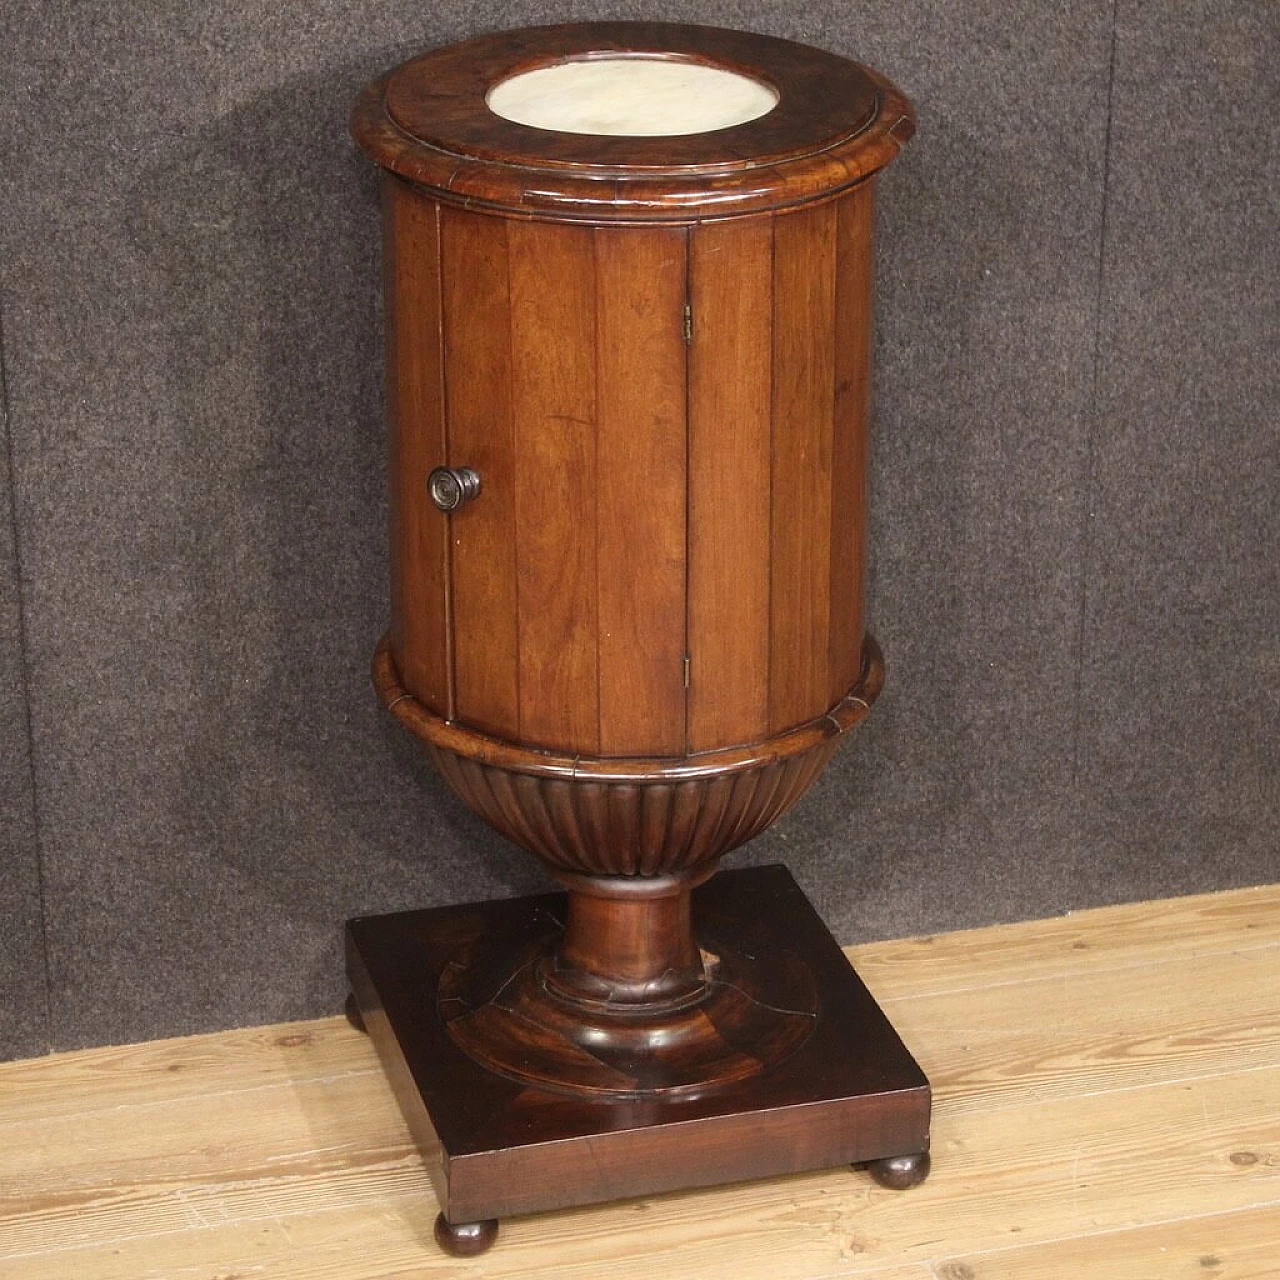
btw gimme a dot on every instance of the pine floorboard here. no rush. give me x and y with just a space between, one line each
1107 1105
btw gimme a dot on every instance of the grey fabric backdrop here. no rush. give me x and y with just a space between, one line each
1075 480
24 1008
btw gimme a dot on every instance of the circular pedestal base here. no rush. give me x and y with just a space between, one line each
851 1094
510 1014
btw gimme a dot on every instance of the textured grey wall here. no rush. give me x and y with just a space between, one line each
24 1004
1178 744
1075 475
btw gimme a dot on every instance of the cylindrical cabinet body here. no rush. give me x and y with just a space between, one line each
628 317
634 640
669 425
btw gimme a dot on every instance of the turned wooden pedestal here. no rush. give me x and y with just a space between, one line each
628 383
847 1092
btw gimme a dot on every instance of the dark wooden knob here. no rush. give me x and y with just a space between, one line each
450 487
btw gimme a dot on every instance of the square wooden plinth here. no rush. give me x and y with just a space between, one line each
851 1093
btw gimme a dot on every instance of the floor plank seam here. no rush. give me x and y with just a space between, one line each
1085 975
944 1093
147 1104
1130 1228
418 1195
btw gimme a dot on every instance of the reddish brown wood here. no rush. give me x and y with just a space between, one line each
416 435
613 999
901 1173
804 257
730 437
641 459
477 363
855 278
498 753
465 1239
847 1092
554 412
623 817
628 941
836 122
640 641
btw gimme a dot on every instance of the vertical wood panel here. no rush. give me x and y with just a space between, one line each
855 276
803 406
478 399
553 354
642 467
416 439
730 425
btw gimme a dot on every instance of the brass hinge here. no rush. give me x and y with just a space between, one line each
688 662
688 322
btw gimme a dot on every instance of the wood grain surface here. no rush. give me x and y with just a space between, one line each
670 425
730 446
478 392
835 123
804 364
1107 1104
419 544
851 408
553 340
641 353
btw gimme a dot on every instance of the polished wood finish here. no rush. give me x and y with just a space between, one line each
609 999
836 123
481 434
465 1239
841 1088
566 372
851 413
642 486
804 254
646 956
901 1173
653 361
552 324
778 459
421 631
1105 1082
730 448
619 817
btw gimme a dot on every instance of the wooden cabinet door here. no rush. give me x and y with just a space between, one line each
564 386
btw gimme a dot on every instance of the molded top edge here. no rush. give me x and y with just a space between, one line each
835 123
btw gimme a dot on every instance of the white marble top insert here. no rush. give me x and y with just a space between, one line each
634 96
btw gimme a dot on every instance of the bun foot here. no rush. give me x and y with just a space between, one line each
901 1173
352 1011
465 1239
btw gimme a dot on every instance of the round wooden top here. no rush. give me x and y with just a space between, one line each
833 124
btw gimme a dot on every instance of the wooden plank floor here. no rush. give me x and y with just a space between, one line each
1107 1106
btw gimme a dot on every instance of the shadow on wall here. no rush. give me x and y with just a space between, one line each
264 235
